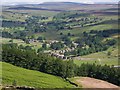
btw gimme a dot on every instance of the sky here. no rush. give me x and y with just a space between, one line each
41 1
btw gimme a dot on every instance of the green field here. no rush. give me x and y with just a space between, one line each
111 61
34 45
25 77
11 30
13 16
101 57
17 15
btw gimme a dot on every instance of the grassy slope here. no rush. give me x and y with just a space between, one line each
113 59
11 30
108 24
30 77
76 31
17 16
102 56
107 61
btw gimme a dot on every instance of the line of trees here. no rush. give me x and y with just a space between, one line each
107 73
12 23
105 33
29 59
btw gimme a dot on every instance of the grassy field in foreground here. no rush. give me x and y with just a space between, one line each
32 78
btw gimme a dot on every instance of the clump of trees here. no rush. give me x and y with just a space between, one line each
66 40
12 23
107 73
41 38
105 33
57 45
6 34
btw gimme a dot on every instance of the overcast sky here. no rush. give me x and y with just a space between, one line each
41 1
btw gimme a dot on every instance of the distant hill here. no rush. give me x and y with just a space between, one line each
62 6
62 3
105 3
32 8
55 3
49 6
25 77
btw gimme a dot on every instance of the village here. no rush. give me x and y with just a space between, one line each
58 53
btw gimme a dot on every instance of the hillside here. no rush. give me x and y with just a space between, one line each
101 58
25 77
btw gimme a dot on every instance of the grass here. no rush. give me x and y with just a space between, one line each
11 30
101 57
35 45
13 16
17 15
89 28
36 12
113 61
25 77
49 35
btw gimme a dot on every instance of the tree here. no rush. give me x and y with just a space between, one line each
33 37
11 40
61 33
40 38
27 41
70 69
57 45
109 53
69 34
44 46
28 48
40 50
